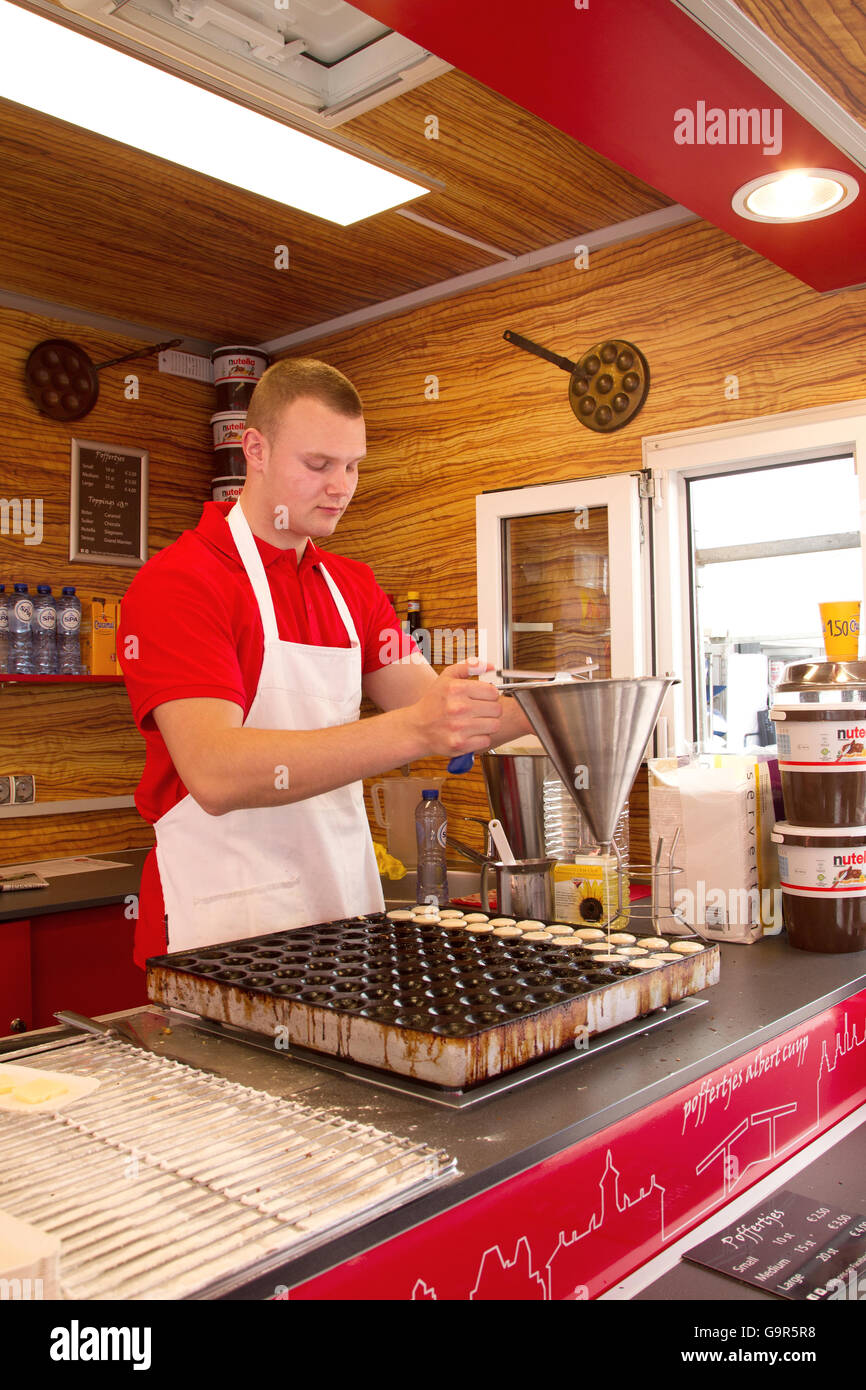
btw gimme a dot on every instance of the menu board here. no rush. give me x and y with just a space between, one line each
108 504
792 1246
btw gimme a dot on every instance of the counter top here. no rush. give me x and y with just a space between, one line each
93 888
764 990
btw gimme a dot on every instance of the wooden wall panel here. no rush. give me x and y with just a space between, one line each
80 741
702 308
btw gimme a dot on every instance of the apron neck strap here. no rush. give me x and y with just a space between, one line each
252 563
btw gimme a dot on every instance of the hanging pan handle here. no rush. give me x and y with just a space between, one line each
538 351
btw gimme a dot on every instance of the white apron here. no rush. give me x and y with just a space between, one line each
275 867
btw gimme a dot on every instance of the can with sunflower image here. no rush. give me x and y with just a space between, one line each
585 892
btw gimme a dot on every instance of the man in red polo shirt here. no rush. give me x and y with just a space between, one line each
246 650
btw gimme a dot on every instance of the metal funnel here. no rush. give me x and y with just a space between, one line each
595 733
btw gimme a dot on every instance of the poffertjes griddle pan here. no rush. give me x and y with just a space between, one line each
61 380
428 1000
608 385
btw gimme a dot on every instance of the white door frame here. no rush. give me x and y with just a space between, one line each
791 437
629 598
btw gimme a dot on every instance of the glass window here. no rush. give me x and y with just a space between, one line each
557 601
767 546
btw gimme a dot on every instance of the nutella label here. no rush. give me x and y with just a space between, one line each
228 432
822 743
820 872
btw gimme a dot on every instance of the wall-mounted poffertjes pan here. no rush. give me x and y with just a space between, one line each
608 385
61 380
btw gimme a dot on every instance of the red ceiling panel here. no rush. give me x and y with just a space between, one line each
613 75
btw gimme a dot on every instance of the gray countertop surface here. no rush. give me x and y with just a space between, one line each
764 989
94 888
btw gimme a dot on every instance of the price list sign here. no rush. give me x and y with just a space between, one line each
108 504
792 1246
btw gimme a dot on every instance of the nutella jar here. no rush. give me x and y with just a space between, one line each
820 719
235 372
822 870
822 762
226 489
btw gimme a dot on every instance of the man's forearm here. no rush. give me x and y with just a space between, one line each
264 767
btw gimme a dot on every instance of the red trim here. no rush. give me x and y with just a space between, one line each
574 1224
837 888
614 76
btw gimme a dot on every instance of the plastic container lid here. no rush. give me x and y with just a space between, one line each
69 590
826 832
429 795
43 588
21 589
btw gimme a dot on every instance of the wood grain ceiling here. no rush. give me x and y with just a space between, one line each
100 227
826 38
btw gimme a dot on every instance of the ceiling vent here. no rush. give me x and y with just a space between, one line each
322 60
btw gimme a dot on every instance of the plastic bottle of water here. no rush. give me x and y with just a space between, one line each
5 600
431 828
43 625
68 633
20 636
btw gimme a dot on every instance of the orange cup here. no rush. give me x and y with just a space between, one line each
840 624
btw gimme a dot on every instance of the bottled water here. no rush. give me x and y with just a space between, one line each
5 600
20 636
68 633
431 828
43 625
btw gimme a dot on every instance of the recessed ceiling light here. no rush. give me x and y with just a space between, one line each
795 195
62 73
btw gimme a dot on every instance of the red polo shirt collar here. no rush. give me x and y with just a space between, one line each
213 529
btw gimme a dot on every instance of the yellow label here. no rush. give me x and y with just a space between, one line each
586 892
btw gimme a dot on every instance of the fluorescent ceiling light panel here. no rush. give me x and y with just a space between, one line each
77 79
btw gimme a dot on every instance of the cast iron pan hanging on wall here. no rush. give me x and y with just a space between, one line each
61 380
608 385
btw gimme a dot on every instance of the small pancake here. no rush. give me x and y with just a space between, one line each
476 927
610 957
451 912
401 914
633 950
476 917
646 963
668 955
559 930
687 948
622 938
507 931
530 924
537 936
651 941
590 934
503 921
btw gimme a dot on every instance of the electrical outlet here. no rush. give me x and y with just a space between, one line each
24 788
7 789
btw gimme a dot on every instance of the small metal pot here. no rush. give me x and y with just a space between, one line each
523 889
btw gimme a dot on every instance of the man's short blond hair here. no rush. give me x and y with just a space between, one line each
290 379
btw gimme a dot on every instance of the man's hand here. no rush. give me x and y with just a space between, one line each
457 713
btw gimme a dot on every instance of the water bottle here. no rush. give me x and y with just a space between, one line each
5 601
20 636
43 625
431 828
68 633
